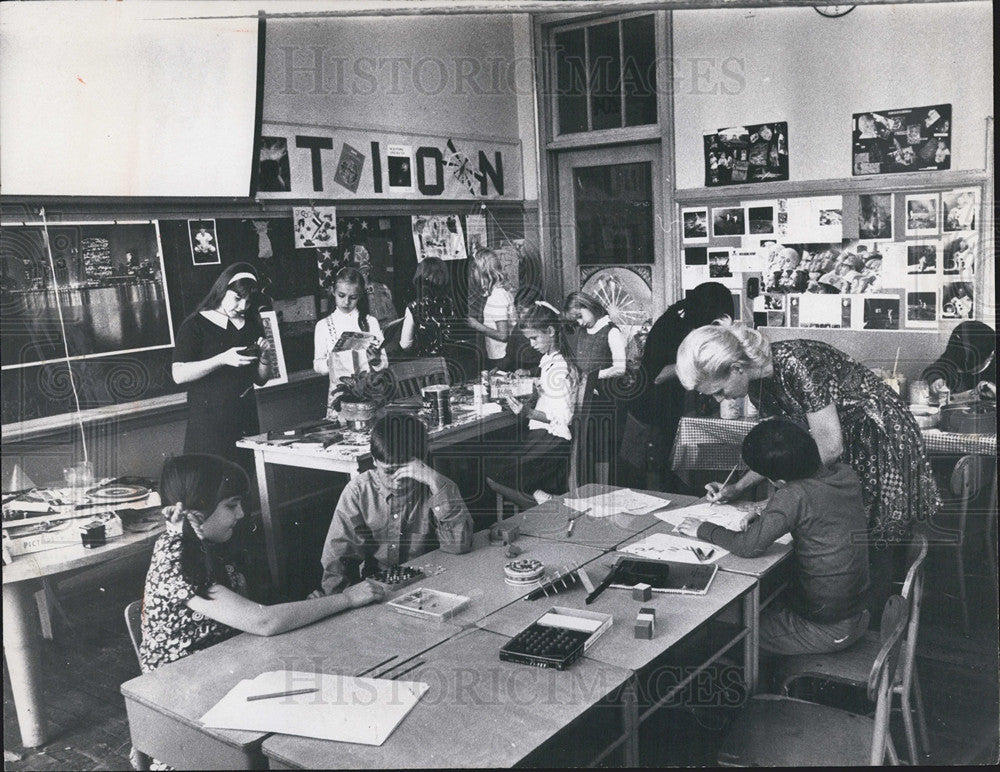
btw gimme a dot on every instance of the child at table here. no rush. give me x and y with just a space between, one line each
542 462
395 512
350 315
821 507
196 593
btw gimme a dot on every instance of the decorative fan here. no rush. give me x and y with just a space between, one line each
623 293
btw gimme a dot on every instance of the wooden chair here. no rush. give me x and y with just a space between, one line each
851 666
133 622
778 731
413 375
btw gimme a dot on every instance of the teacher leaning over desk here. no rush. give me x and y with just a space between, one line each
850 413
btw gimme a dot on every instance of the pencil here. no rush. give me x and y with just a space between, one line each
375 667
414 666
272 695
728 478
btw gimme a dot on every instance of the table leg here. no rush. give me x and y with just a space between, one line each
20 646
630 721
273 540
751 646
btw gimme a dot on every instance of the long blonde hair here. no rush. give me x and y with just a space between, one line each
707 353
486 271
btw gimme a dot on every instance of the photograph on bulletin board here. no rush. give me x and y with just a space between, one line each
204 242
694 222
959 256
922 215
743 154
875 216
959 208
956 300
112 296
914 139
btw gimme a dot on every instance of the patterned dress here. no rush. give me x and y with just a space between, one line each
433 319
882 442
171 630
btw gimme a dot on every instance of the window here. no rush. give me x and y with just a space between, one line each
605 75
614 213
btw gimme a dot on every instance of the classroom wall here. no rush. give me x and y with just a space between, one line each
792 64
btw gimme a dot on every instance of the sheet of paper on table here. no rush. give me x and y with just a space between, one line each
345 709
617 502
726 515
677 549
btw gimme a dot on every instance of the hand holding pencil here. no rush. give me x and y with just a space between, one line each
718 493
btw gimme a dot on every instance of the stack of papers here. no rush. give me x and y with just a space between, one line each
345 709
676 549
728 516
624 501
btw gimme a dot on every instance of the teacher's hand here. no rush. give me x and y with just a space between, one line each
233 357
717 492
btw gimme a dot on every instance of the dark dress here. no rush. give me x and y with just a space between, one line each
222 406
882 442
433 320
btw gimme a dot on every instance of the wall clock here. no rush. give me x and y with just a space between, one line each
833 11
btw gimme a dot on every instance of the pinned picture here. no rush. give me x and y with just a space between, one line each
438 236
921 258
741 154
760 220
729 222
956 300
909 140
960 208
696 256
314 226
399 162
204 244
960 256
875 216
695 225
718 264
273 175
824 311
921 309
922 215
881 313
349 168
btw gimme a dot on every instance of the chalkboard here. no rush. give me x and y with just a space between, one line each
290 277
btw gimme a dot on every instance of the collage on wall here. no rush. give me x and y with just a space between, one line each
742 154
915 139
901 262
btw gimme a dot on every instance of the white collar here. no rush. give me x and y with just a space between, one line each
347 314
219 319
599 325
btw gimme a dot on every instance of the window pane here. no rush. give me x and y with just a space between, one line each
614 213
571 81
605 76
639 44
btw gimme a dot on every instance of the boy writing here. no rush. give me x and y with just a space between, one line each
397 511
821 507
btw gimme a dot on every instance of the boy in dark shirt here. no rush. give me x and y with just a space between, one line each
821 507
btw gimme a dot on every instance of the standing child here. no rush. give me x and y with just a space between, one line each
543 461
350 315
429 318
486 287
821 506
600 345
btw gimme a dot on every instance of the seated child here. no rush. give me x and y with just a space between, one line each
395 512
822 508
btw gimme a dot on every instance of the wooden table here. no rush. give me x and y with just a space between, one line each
21 633
478 712
347 457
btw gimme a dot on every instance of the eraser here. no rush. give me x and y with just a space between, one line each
642 592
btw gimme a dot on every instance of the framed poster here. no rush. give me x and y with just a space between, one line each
915 139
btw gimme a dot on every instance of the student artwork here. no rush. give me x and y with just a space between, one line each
922 215
742 154
729 221
399 163
204 245
475 232
959 208
922 258
315 226
875 216
909 140
694 222
438 236
960 256
349 168
956 300
273 175
626 291
264 247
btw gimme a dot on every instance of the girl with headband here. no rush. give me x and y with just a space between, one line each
221 353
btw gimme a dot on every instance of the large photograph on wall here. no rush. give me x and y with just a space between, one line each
915 139
742 154
101 290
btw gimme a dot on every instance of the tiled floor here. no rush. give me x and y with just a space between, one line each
88 661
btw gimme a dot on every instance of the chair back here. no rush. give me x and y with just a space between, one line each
582 458
133 622
409 377
883 672
504 493
913 593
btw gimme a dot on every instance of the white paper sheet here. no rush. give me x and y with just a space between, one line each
678 549
345 709
726 515
617 502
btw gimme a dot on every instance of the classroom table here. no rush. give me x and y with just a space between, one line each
346 457
714 443
21 580
479 712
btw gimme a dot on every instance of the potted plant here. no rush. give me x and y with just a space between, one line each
358 397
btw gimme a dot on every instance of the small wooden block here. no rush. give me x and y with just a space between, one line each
643 629
642 592
648 611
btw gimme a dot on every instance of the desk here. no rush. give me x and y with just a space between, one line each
21 579
343 458
478 712
714 443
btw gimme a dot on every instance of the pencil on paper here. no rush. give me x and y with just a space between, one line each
376 667
272 695
728 478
